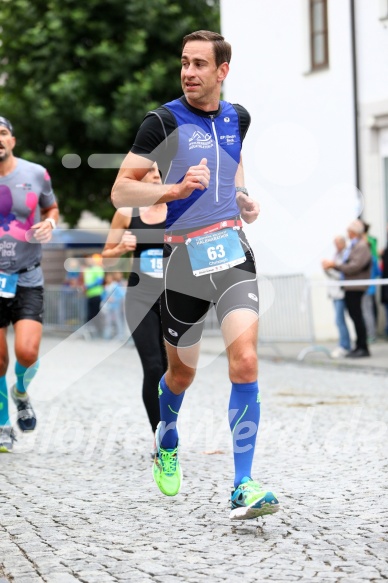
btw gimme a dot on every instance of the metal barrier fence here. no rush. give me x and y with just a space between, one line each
285 310
289 318
65 308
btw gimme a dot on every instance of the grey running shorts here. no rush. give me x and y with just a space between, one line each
186 298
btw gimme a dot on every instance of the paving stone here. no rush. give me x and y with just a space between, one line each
63 578
82 505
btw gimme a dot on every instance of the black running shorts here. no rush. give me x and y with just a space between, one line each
186 298
26 305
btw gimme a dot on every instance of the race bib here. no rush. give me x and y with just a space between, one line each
215 252
151 262
8 283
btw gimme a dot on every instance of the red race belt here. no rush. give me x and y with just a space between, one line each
234 223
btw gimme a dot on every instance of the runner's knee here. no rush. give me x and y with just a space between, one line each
4 362
27 355
180 378
243 367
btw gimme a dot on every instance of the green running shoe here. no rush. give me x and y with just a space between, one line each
7 438
250 500
166 469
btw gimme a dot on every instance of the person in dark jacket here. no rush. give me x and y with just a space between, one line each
384 288
356 266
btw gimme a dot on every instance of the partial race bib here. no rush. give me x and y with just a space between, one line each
151 262
8 283
215 252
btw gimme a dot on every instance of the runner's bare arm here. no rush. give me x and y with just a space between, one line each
128 191
42 231
249 208
119 239
51 212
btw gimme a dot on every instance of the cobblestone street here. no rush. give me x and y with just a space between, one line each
79 502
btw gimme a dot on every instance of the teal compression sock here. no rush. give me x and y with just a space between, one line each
244 417
4 413
169 408
25 375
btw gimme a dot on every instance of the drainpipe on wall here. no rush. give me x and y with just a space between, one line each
355 92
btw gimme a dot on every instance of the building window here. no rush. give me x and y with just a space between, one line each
383 9
319 37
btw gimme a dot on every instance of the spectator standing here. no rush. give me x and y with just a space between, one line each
112 307
337 295
384 288
107 306
119 314
356 265
93 281
368 303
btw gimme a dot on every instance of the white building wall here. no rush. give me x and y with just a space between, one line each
372 52
299 154
372 56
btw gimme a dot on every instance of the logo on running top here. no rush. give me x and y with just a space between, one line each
24 185
228 139
253 297
172 332
200 140
227 119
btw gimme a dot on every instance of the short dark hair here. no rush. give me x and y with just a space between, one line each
366 226
6 123
222 49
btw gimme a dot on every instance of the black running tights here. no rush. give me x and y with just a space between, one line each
148 339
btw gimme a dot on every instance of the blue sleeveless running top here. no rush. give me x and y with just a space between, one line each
217 138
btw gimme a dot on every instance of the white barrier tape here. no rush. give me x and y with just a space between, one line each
350 282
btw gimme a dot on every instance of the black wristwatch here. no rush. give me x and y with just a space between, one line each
242 189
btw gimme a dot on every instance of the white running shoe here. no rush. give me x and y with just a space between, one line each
339 352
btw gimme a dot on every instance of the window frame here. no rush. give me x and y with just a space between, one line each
383 10
319 66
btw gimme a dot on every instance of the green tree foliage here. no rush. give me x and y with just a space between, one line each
78 78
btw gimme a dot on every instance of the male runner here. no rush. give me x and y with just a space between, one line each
28 214
197 142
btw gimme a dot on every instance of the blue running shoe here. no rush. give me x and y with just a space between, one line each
166 470
26 417
250 500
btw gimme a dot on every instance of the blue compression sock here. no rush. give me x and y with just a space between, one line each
244 417
4 413
25 375
169 404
